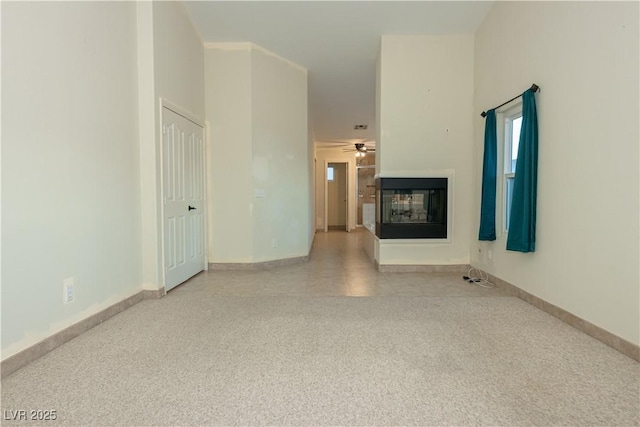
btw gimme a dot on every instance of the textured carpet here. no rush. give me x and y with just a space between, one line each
196 358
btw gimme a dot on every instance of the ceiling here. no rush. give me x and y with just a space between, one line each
337 42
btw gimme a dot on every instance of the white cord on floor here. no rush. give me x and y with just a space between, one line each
481 280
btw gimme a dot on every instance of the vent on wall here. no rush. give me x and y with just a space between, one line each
360 127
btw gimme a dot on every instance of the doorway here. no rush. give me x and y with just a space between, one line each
337 204
366 199
183 198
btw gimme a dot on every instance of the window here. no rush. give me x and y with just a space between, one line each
512 126
330 173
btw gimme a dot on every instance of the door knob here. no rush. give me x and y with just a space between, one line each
191 208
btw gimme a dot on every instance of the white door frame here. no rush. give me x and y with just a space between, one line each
326 193
164 103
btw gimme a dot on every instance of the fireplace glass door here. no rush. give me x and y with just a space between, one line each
411 208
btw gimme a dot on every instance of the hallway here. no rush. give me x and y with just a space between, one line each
337 266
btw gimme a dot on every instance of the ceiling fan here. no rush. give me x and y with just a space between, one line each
360 149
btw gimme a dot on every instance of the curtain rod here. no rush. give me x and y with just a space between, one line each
534 87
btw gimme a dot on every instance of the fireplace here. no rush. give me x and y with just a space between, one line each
411 208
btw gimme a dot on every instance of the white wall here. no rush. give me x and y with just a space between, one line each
257 108
379 106
70 193
230 180
311 174
280 158
178 58
149 170
584 56
425 105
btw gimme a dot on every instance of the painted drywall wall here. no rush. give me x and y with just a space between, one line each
311 172
229 153
426 101
70 169
584 56
149 170
178 58
379 106
279 156
326 155
256 104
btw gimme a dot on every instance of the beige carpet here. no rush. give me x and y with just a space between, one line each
197 357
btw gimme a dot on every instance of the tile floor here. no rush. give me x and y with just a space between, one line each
337 266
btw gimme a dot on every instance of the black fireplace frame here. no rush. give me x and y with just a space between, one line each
411 230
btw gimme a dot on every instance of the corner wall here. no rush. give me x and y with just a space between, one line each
178 58
585 57
279 158
256 105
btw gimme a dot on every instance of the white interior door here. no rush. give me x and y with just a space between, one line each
183 198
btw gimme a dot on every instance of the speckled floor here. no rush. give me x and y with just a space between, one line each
288 346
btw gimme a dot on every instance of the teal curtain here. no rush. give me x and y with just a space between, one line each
489 176
522 220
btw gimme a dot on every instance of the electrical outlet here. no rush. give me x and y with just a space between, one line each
68 288
274 243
